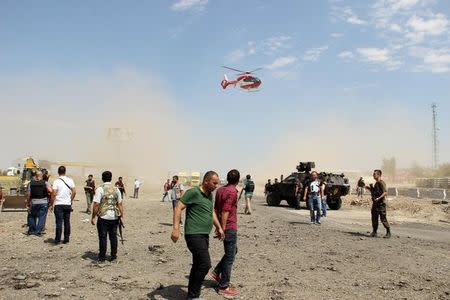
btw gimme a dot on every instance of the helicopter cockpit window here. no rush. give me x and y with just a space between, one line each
250 79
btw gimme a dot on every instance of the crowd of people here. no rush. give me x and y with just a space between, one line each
203 211
104 202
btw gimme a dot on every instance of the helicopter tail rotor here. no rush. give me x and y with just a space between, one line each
225 82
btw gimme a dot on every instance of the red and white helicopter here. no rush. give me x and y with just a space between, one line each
245 80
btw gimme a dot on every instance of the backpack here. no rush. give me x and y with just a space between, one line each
109 200
250 186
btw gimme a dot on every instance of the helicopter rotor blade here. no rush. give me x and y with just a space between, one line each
232 69
257 69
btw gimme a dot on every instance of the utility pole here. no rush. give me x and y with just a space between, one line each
435 137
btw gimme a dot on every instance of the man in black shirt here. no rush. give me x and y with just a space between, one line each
360 187
89 189
379 193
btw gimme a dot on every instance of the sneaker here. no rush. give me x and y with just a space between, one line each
318 223
227 292
311 223
373 234
214 276
388 235
65 242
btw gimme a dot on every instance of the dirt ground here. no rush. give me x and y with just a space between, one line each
281 256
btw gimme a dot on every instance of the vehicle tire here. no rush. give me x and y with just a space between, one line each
335 204
272 199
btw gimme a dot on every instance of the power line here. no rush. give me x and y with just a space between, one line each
435 136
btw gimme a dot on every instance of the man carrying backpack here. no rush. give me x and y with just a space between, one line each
249 188
108 209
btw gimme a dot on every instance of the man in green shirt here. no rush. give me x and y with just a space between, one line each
200 217
379 193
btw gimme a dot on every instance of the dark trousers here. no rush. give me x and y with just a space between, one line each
136 193
62 215
379 211
174 203
36 218
164 196
223 268
198 244
89 199
107 228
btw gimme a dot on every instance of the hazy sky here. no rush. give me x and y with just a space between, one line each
345 83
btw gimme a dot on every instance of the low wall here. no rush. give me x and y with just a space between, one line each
392 191
416 193
433 193
411 192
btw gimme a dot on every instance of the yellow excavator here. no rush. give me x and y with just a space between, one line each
14 187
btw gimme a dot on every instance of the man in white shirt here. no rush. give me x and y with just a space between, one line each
64 193
177 190
108 209
137 185
314 191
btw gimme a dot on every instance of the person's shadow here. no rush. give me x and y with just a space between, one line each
299 223
90 255
171 292
166 224
360 234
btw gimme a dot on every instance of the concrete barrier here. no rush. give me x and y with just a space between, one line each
433 193
411 192
392 191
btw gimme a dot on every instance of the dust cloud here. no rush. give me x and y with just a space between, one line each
340 142
67 118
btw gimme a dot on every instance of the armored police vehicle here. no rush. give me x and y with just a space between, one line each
292 187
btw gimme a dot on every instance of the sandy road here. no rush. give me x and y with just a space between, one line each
358 220
280 256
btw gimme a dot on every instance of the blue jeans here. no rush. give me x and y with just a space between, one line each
223 268
62 215
174 203
36 218
314 208
324 206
